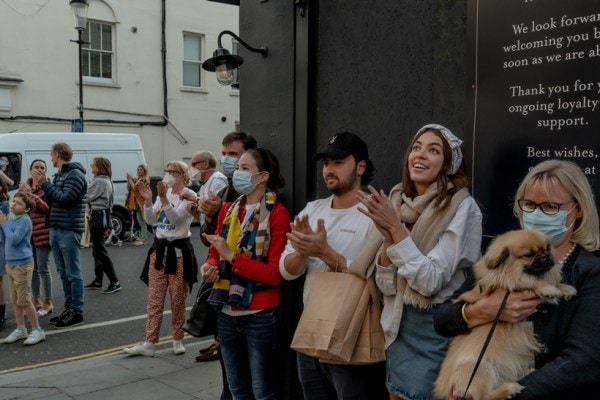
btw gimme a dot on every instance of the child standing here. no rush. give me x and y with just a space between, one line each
4 207
19 268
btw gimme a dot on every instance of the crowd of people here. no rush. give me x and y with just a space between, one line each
430 229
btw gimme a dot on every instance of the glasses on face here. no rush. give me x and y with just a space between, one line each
172 171
197 162
547 207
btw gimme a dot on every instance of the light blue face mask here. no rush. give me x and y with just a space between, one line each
554 226
229 165
242 182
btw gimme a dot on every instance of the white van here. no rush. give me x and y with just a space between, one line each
124 150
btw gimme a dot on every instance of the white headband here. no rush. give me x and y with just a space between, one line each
453 142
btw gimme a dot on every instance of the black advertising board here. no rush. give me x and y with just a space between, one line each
535 69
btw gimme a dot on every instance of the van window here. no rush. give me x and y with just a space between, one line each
10 169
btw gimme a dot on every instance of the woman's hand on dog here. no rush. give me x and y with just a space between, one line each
519 306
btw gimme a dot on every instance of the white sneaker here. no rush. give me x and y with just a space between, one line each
142 349
36 336
17 334
178 347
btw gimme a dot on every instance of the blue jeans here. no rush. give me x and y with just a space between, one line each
41 274
65 249
321 381
248 345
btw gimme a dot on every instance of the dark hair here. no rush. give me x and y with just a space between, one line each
37 160
103 165
247 140
369 171
4 190
459 179
27 199
63 151
266 161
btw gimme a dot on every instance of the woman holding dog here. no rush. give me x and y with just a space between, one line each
555 198
431 230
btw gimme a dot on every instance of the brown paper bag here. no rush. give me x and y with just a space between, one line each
333 316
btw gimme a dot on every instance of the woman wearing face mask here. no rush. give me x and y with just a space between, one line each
554 198
135 201
243 263
171 263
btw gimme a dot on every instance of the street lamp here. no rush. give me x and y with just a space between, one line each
80 9
223 62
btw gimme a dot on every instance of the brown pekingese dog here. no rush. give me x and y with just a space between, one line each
516 260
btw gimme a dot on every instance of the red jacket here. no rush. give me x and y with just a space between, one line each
39 218
258 271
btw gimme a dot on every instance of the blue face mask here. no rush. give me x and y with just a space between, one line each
554 226
242 182
229 165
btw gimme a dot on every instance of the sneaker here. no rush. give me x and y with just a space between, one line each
60 317
71 319
138 242
36 336
209 354
17 334
142 349
94 286
178 347
112 288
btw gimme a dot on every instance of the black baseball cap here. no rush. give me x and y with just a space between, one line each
343 144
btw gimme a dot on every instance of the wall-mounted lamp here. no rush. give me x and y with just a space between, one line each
223 62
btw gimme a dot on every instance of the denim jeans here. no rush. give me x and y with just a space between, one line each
65 249
248 345
321 381
42 279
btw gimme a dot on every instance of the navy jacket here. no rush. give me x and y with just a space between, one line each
568 365
66 198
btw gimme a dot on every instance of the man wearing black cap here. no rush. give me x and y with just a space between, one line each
332 232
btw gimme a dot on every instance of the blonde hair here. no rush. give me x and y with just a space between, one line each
183 169
571 177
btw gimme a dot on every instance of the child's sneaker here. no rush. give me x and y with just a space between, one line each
36 336
142 349
17 334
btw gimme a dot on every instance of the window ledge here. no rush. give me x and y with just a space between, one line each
102 84
193 89
234 92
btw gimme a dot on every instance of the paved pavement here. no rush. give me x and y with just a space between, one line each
117 376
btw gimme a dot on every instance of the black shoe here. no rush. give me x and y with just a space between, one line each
60 317
94 286
2 324
112 288
71 319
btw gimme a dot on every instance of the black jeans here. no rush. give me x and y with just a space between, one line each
102 262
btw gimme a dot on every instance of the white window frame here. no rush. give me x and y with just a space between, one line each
190 61
104 53
235 47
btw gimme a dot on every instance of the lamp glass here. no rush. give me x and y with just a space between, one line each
80 9
224 74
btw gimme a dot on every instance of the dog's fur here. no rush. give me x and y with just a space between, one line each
516 260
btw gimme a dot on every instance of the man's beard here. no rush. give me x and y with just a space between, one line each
342 187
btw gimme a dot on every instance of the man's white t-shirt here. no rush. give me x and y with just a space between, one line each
347 231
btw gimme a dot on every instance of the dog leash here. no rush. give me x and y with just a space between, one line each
485 345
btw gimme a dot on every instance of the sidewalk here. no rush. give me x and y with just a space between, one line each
118 376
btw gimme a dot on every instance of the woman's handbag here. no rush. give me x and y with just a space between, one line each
202 320
340 323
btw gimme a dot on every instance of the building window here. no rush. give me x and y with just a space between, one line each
236 71
192 60
98 55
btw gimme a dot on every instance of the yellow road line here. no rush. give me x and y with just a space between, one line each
101 353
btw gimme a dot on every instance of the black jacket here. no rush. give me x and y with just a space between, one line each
568 365
66 198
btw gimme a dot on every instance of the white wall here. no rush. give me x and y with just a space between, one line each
35 48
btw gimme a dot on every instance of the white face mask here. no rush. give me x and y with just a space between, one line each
194 172
169 180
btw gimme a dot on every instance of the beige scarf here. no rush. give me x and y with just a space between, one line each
426 231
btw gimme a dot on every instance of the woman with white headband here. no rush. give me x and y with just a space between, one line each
431 229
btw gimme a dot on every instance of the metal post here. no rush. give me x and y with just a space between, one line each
80 43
